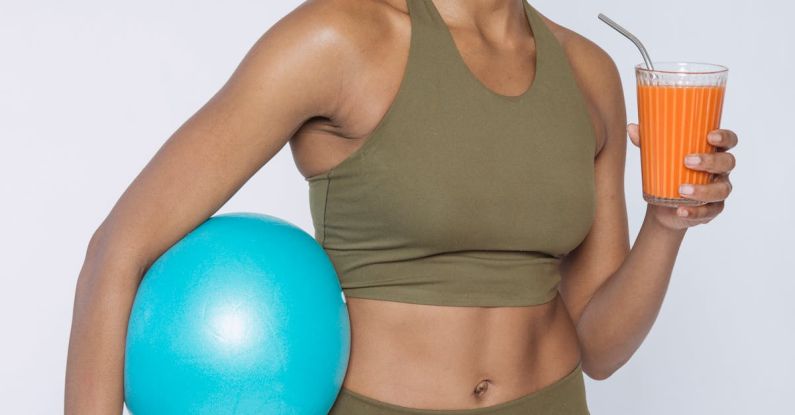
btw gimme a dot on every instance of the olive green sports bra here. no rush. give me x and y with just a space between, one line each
462 196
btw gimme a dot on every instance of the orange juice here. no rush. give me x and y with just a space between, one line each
676 110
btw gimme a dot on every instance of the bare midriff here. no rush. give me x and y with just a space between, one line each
443 357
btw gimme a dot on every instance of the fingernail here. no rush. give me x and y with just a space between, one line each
686 189
692 160
714 138
682 212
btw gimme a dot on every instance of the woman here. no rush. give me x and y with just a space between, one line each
465 162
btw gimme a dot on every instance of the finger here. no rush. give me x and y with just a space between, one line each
718 162
723 139
701 214
633 130
719 189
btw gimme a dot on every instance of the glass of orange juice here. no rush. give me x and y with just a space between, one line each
678 104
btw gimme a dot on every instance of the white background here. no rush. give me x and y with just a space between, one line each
89 90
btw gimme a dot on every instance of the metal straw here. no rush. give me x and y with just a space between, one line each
629 36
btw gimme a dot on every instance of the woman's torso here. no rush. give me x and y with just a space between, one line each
438 357
428 356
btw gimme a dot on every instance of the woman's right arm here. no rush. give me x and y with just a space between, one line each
292 73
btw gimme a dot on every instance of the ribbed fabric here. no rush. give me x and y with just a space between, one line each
462 196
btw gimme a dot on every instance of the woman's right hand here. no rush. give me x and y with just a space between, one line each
291 74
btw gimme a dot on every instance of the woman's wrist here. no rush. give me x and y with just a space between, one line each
654 221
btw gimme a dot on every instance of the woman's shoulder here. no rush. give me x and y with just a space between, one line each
330 42
581 50
344 24
597 76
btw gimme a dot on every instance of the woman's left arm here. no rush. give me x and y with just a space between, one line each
614 293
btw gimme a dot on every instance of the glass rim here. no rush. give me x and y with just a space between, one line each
716 68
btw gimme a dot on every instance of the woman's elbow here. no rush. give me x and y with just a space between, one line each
597 374
598 370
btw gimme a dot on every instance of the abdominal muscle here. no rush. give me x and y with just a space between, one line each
440 357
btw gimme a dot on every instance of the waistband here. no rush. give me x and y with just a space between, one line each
459 278
566 396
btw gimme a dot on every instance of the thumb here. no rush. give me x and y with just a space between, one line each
633 130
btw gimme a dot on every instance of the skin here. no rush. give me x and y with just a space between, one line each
421 356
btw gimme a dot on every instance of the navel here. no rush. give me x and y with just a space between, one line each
480 388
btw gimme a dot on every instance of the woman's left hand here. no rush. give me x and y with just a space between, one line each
721 162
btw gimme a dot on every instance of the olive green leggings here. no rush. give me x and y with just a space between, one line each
566 396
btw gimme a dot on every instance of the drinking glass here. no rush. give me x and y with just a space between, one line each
678 104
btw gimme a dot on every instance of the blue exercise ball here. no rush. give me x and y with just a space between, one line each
244 315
